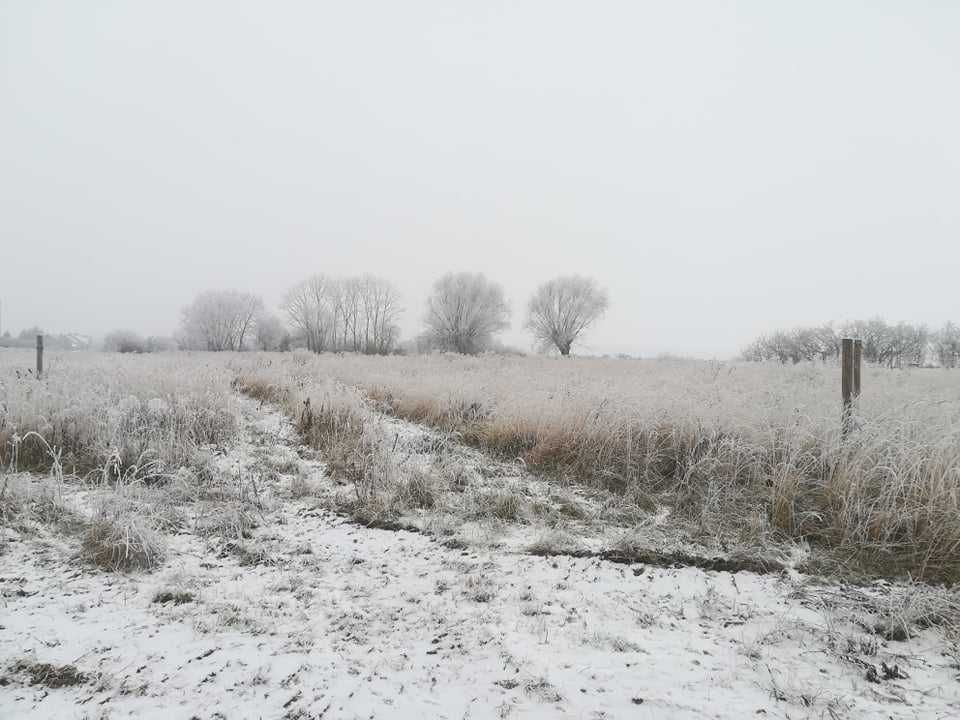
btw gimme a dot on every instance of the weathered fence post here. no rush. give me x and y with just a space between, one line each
39 356
851 358
857 357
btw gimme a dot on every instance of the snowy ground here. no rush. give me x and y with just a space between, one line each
320 617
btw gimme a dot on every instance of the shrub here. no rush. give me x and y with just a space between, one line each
124 341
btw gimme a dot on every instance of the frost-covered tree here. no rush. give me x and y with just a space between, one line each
376 306
357 314
270 332
308 309
159 343
884 344
946 345
562 309
124 341
219 320
464 312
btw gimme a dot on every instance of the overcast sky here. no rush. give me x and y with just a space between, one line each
722 168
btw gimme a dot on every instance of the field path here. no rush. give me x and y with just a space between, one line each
318 617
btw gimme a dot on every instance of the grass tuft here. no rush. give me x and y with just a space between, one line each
122 542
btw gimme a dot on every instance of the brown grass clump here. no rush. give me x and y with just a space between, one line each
500 504
260 389
229 519
50 675
176 597
122 542
418 490
555 542
27 503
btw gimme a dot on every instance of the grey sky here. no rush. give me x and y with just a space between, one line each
722 168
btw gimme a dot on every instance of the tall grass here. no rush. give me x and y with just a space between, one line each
335 419
114 416
724 445
731 449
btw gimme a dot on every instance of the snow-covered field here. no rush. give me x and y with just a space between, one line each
313 615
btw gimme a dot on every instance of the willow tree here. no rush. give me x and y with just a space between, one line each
562 309
464 311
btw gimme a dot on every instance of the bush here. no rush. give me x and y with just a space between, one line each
124 341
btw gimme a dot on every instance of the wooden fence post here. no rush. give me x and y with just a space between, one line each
39 356
846 382
857 359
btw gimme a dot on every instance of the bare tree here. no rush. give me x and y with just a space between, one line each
756 351
780 346
883 343
464 311
219 320
355 314
562 309
307 306
347 298
828 342
946 345
377 305
270 332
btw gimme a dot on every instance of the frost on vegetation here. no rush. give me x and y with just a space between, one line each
119 540
113 417
611 643
174 597
28 503
301 487
48 675
556 542
739 452
562 614
480 588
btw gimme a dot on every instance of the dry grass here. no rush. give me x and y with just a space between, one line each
28 503
176 597
329 417
112 417
555 542
419 489
301 487
119 539
49 675
501 504
335 419
742 452
737 452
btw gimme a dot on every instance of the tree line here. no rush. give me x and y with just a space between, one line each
891 345
355 314
27 338
464 313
